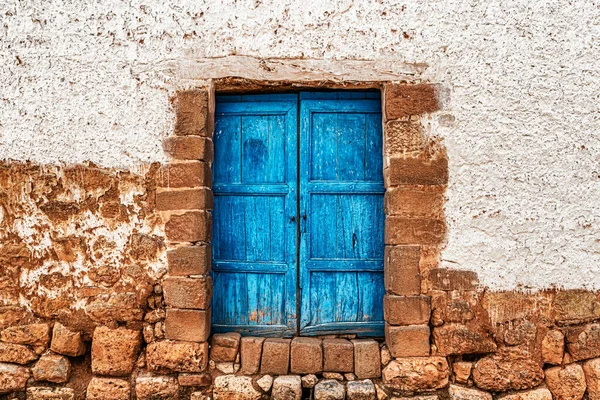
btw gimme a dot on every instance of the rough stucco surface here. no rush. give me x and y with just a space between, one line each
90 81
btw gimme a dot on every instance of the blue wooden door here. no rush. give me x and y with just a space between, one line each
255 215
298 217
341 202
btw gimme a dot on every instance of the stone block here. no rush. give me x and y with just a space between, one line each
329 389
591 369
367 362
415 201
225 346
189 148
566 383
404 100
32 334
169 356
535 394
576 306
583 342
187 325
361 390
13 378
416 374
189 260
406 310
462 393
275 357
115 351
287 387
453 279
306 356
192 293
510 368
403 137
191 113
191 226
187 379
231 387
553 347
338 355
16 353
462 371
156 388
309 381
250 354
108 389
408 341
184 199
185 174
416 231
66 342
52 368
452 338
50 393
423 168
401 270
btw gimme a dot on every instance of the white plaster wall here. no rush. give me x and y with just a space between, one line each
84 80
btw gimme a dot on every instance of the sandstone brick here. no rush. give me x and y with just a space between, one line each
454 306
329 389
535 394
265 383
400 230
156 388
416 374
114 351
462 393
231 387
361 390
462 371
508 369
511 306
306 356
403 100
401 270
576 306
191 111
32 334
453 279
583 342
13 378
52 368
187 379
407 341
423 168
108 389
591 369
287 387
50 393
16 353
275 357
566 383
225 346
13 315
66 341
367 364
406 310
338 355
187 325
193 293
415 202
184 199
452 338
169 356
192 226
403 136
185 174
250 354
553 347
189 260
189 148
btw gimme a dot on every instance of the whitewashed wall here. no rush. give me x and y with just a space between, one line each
90 81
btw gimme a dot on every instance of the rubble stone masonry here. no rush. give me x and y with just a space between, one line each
105 290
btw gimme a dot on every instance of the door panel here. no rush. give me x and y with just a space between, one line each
341 240
254 229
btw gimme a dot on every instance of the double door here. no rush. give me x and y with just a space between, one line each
298 218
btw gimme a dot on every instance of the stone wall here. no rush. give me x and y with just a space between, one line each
106 289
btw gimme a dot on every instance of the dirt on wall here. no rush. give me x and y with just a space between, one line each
80 244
